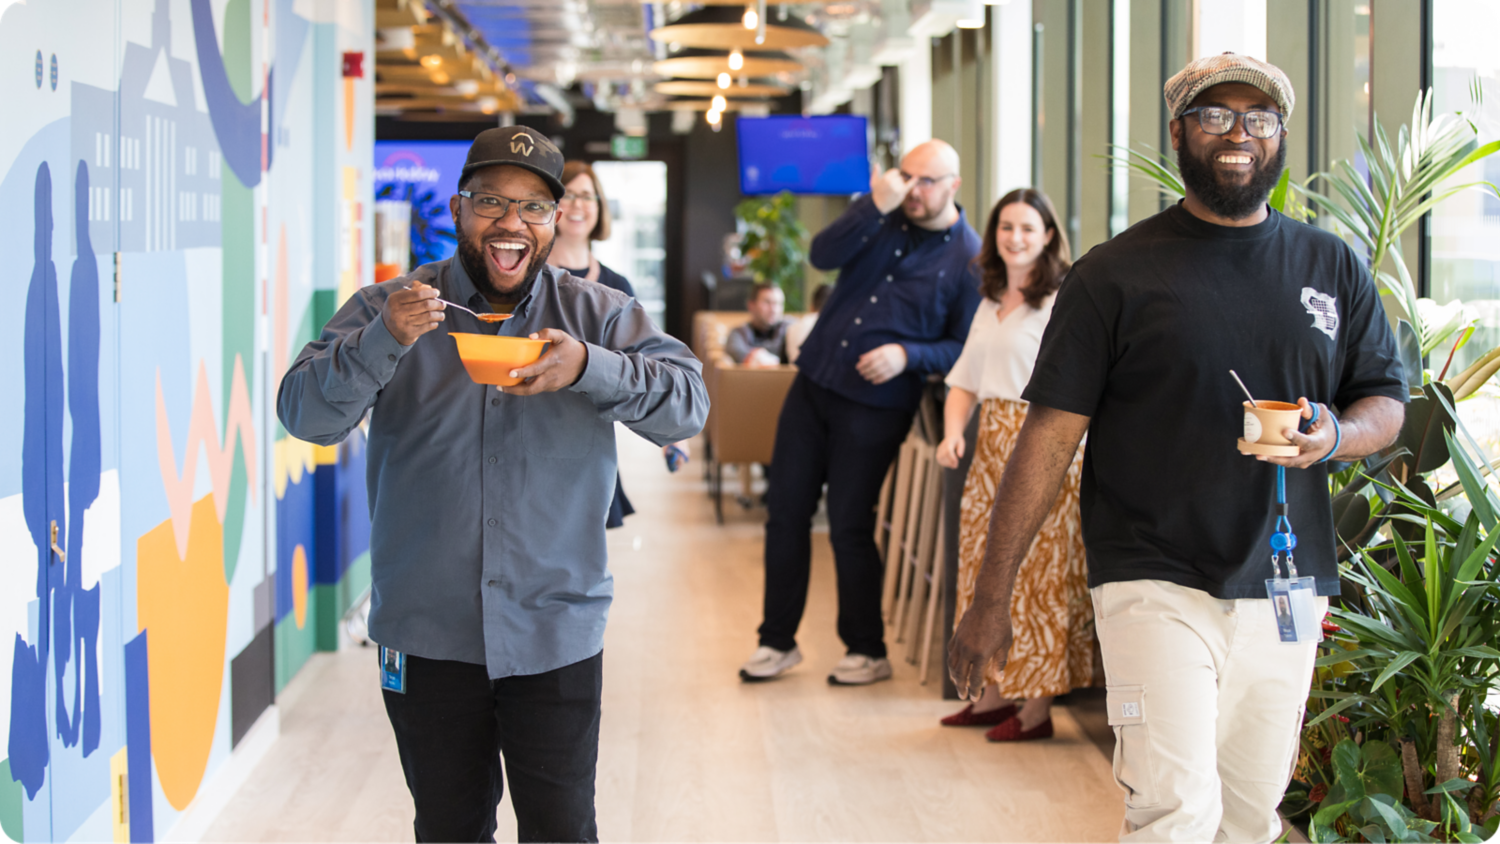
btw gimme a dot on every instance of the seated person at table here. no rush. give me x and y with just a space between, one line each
761 342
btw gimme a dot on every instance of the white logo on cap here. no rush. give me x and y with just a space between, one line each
521 147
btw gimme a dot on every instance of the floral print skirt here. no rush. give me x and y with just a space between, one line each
1051 613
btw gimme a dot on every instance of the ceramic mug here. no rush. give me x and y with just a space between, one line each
1265 421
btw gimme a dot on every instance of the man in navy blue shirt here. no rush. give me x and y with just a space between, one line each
906 293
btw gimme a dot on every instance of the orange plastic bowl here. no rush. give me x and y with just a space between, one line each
489 358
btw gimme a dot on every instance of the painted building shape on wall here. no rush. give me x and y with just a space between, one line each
158 181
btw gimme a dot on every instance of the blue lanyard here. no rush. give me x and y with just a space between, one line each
1282 538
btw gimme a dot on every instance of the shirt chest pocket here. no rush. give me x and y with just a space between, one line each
562 425
916 302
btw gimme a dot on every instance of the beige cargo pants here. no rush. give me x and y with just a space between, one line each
1206 704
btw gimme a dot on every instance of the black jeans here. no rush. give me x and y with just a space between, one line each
823 437
454 724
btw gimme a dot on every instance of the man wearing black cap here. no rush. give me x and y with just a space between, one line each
489 580
1205 694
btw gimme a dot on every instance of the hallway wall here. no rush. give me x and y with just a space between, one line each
180 186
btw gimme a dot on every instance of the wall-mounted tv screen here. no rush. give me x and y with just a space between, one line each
424 173
828 154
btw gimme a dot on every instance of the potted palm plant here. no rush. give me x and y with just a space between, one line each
773 243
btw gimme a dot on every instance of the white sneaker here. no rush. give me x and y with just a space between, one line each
859 670
767 663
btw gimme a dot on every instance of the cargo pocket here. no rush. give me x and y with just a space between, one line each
1133 766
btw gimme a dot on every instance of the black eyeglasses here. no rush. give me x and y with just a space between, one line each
585 198
538 212
925 182
1218 120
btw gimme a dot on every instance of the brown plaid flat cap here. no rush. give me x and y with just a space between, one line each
1204 73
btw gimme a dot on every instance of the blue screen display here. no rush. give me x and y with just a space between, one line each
424 173
813 155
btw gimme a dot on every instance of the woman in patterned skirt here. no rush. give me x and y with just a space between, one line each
1053 648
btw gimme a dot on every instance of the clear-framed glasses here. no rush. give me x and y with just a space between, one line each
1218 120
585 198
924 182
538 212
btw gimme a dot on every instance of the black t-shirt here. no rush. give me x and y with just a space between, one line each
1143 334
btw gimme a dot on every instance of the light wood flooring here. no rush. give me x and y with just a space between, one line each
687 751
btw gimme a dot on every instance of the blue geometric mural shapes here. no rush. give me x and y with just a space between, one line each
41 438
296 524
76 610
291 34
41 489
236 124
138 737
28 718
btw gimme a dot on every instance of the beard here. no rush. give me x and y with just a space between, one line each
1227 199
471 254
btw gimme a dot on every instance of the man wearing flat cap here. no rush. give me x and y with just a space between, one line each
490 586
1205 697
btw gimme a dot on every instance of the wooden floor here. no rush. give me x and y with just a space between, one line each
687 751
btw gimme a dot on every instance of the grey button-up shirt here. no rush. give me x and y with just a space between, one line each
487 509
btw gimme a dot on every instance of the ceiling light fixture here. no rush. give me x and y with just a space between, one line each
736 59
973 15
724 80
751 18
719 102
431 60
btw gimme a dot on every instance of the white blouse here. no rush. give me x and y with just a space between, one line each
1000 353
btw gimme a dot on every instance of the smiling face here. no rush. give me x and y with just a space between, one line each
578 215
1020 238
502 256
1231 175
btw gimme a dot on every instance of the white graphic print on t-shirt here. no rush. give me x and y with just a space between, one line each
1324 312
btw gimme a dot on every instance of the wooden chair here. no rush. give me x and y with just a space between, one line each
909 534
745 405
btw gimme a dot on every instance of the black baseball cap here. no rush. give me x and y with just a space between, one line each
517 146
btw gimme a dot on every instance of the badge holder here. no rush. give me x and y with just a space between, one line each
1293 598
392 670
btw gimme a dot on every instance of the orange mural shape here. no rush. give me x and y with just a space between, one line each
299 586
203 433
182 602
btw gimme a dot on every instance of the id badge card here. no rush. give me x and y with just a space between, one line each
1296 608
392 670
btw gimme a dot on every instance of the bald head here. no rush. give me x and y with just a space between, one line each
937 156
931 170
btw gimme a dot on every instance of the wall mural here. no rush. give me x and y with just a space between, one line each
180 201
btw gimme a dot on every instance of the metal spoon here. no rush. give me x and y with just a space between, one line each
1237 380
482 317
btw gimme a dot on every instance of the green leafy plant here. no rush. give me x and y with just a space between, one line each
773 242
1408 667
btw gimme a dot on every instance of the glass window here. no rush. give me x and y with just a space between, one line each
637 192
1465 239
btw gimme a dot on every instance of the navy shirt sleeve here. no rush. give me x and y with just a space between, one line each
844 238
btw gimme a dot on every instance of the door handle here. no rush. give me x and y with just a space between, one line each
56 550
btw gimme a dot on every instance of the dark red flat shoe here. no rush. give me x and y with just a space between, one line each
1010 730
969 718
